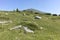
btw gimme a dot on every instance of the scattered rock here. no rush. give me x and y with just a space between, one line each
17 38
24 14
38 17
10 21
16 27
46 18
41 28
6 13
26 29
3 22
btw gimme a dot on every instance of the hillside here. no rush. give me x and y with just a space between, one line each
50 26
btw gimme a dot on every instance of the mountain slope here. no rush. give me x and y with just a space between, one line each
50 25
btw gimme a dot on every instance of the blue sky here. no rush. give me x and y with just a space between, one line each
52 6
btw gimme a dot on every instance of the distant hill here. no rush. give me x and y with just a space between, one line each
34 10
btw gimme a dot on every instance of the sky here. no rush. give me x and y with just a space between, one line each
52 6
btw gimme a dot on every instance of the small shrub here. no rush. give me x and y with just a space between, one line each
17 10
36 13
48 13
0 27
54 14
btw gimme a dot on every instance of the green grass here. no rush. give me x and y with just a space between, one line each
50 24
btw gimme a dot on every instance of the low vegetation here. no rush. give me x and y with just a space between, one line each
54 14
48 13
50 25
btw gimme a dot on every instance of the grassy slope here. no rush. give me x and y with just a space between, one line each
50 24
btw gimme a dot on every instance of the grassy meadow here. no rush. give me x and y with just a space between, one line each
50 24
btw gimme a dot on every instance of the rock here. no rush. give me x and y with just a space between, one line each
38 17
27 30
17 38
16 27
46 18
41 28
6 13
24 14
10 21
3 22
